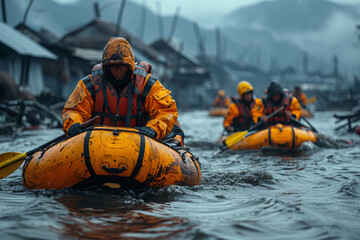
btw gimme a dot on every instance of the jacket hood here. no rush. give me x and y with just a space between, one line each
273 89
118 51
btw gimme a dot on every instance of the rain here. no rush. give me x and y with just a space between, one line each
194 145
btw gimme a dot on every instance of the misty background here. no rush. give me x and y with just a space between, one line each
269 34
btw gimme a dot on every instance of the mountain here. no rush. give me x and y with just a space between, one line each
288 16
322 28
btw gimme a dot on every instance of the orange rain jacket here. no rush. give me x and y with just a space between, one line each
157 103
221 101
260 110
302 99
239 120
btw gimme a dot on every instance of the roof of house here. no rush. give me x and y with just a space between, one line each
43 35
174 49
97 33
22 44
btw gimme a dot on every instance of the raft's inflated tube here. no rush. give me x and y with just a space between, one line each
218 112
110 155
278 136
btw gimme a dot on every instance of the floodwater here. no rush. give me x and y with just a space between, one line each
313 193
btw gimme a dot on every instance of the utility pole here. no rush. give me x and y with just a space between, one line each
336 69
174 22
27 11
160 22
142 21
118 23
336 63
97 10
199 40
3 10
305 62
218 43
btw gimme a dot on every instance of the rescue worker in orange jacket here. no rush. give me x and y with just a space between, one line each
300 96
239 116
221 100
122 94
275 99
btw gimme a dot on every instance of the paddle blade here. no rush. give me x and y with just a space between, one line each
312 100
235 138
9 162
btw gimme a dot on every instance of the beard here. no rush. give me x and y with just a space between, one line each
119 84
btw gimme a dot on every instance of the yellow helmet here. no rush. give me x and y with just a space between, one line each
244 87
221 92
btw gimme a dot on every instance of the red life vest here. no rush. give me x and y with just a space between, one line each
281 116
244 120
121 110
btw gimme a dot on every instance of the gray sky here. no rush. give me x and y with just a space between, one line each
206 12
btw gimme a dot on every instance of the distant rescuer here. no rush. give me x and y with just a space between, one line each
239 115
221 100
300 96
275 99
122 94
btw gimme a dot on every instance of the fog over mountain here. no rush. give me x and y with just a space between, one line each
322 28
265 34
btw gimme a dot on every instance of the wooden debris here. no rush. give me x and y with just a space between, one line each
351 118
26 114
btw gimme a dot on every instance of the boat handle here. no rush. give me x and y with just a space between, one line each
113 170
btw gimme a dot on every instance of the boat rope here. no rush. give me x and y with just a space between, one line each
113 170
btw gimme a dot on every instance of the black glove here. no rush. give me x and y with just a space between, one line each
74 129
229 129
148 131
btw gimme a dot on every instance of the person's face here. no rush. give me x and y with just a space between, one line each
276 97
247 97
118 71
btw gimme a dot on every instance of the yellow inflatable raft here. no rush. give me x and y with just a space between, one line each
278 136
117 157
218 112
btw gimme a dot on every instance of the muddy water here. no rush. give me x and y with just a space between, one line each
313 193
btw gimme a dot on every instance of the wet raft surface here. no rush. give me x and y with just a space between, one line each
309 194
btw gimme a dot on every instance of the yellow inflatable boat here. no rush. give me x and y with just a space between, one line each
277 136
218 112
116 157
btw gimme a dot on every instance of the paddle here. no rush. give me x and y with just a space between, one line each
311 126
238 136
11 161
312 100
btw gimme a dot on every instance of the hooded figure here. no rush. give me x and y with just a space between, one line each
273 89
275 99
123 94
